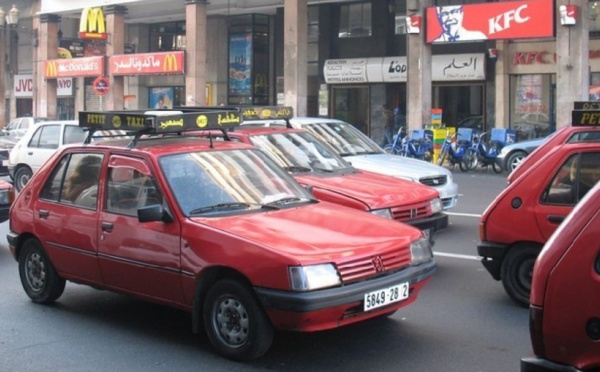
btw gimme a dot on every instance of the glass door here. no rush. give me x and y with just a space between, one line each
351 104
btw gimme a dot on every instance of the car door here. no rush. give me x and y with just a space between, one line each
44 142
66 223
141 258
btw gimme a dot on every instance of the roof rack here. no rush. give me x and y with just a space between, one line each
164 121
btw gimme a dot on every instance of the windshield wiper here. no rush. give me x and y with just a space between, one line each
297 169
288 200
228 206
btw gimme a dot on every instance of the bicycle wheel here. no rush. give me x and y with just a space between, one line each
470 160
497 167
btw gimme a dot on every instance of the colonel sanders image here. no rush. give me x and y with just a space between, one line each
451 21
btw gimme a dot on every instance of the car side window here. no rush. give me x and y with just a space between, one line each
75 180
73 134
46 137
129 190
573 180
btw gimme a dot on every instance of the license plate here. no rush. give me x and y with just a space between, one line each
386 296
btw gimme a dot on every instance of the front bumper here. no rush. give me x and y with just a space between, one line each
433 224
492 255
543 365
334 307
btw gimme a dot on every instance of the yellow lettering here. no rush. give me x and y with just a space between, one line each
95 119
133 121
171 123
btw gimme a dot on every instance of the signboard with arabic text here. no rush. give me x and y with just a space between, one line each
147 63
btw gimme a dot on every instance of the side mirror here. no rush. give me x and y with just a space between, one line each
154 212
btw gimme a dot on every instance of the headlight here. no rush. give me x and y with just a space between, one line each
436 205
420 251
386 213
309 278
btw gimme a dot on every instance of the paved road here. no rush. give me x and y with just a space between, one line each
463 321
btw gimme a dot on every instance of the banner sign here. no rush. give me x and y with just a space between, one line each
585 118
495 21
147 63
92 24
23 86
74 67
447 67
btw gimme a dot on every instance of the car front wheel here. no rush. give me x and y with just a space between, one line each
517 272
22 176
38 277
235 323
514 160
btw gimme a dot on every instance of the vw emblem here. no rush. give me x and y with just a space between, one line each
378 264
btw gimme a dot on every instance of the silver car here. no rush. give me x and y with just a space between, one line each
357 148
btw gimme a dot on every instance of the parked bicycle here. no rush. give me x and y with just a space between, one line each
481 154
454 149
419 145
396 146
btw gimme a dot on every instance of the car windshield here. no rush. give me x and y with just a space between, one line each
299 152
216 182
344 138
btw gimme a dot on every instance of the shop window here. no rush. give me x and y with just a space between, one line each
531 115
313 41
355 20
594 17
595 86
167 36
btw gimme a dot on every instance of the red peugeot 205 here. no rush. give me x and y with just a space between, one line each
215 228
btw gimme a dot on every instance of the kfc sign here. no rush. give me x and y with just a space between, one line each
498 21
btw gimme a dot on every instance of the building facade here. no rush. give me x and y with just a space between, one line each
340 59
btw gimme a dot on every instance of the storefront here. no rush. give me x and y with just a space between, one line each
65 92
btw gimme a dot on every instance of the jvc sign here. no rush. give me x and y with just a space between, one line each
23 86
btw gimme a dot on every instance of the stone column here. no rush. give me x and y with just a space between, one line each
572 62
502 85
418 84
295 71
115 27
44 90
3 86
195 32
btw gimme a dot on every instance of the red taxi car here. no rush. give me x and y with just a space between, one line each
314 164
565 306
587 130
215 228
515 226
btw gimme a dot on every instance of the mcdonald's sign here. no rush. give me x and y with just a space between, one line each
147 63
50 70
91 24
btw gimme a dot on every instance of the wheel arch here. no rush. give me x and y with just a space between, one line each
20 241
206 279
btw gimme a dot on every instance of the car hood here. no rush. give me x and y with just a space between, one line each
318 232
397 166
375 190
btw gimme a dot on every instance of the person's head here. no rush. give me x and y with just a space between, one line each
450 18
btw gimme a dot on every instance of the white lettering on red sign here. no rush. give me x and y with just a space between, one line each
503 21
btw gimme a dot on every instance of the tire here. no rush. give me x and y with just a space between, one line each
442 157
22 176
497 167
517 272
388 149
470 159
235 323
38 276
514 160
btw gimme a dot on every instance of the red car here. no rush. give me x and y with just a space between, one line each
7 195
515 226
581 131
565 306
215 228
315 164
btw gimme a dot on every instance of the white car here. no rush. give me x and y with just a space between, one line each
19 126
38 144
363 153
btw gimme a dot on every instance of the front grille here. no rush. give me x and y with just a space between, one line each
365 267
434 181
411 212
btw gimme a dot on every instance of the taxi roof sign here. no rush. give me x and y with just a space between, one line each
585 118
159 121
267 112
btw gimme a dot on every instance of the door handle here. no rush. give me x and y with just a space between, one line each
42 213
556 219
30 153
107 226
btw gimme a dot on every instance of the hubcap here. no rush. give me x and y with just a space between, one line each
526 274
36 272
231 322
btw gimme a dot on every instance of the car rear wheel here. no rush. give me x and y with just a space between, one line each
38 276
514 160
22 176
517 272
235 323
